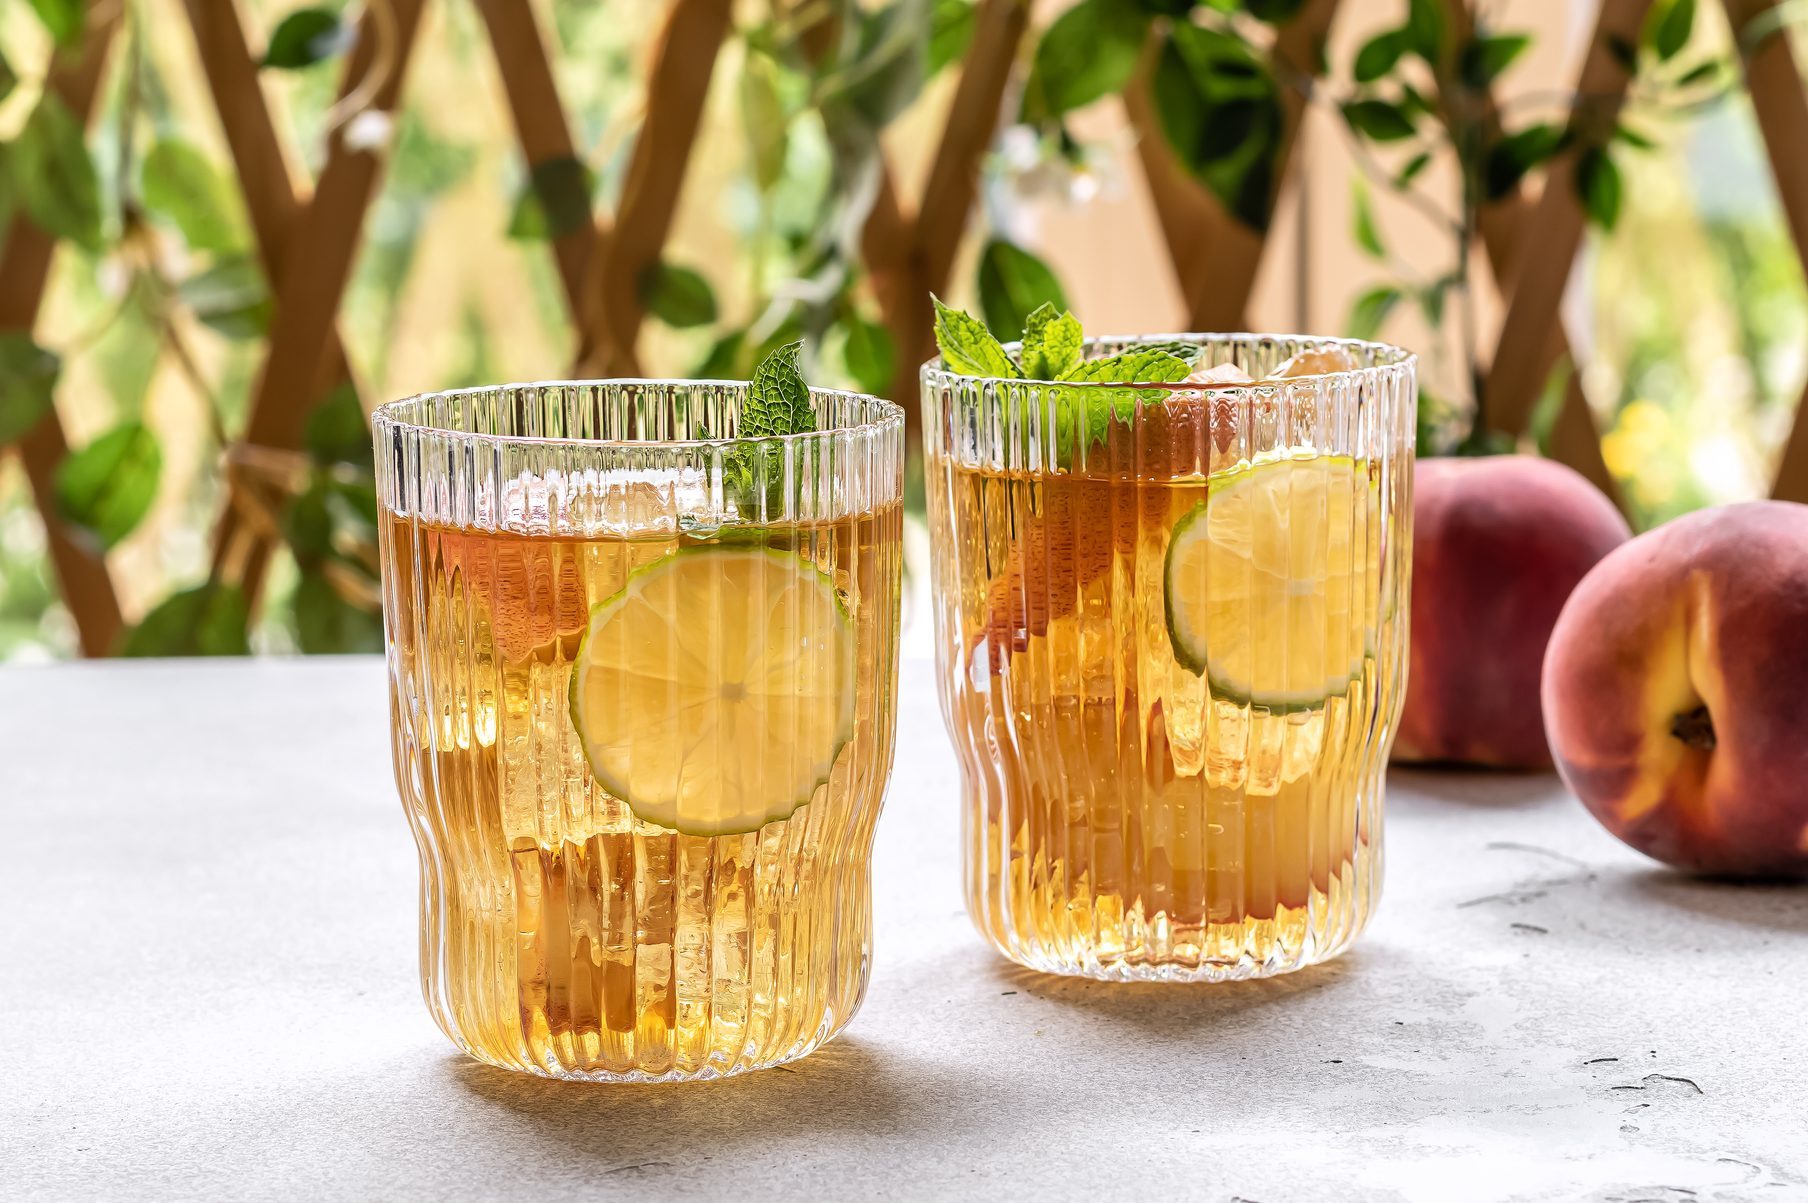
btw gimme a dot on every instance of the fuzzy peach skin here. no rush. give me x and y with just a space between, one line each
1498 543
1676 691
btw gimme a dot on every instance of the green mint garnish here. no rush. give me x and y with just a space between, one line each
968 347
1051 343
1053 350
777 402
1141 366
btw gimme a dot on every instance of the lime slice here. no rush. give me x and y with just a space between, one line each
1265 581
713 693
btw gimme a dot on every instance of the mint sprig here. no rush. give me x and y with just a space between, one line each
1053 349
1052 343
777 402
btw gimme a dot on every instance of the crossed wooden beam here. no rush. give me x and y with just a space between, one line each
307 243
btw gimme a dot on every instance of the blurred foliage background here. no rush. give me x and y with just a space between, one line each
1687 310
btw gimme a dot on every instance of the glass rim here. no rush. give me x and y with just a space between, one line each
392 415
1389 358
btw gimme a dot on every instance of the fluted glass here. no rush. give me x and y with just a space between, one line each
1126 814
560 933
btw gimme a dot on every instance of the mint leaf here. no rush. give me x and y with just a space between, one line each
1051 343
1187 351
778 400
968 347
777 403
1142 366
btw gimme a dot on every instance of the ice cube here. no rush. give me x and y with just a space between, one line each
1318 362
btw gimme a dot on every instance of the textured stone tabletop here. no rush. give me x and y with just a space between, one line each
208 990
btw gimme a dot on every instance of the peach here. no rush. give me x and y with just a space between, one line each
1676 687
1498 543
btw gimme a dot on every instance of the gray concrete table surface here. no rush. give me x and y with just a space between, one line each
208 990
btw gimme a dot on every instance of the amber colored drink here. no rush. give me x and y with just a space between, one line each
562 933
1129 812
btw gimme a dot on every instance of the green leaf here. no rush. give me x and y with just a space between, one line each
230 297
677 296
1623 52
1013 283
63 19
308 36
1431 300
1701 73
179 183
886 69
723 359
1052 343
870 356
54 176
309 524
327 624
765 119
1380 120
337 432
1509 160
1371 310
1598 186
1179 350
778 400
107 487
28 376
1379 55
1425 29
1490 54
1220 111
1632 137
1142 366
968 347
1667 27
1274 12
1367 236
951 26
1088 52
553 202
207 620
9 79
1414 166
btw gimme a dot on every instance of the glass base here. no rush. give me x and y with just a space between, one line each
563 1071
1095 939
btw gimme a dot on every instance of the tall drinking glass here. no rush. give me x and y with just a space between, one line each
642 691
1171 629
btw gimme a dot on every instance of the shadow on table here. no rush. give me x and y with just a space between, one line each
1485 788
1776 906
1164 1008
845 1088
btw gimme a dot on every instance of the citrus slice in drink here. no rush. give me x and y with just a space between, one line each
713 693
1263 581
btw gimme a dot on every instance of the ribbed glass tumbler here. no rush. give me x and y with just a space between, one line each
1171 633
642 690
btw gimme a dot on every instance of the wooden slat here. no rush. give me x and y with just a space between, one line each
1775 82
268 187
1529 341
540 125
81 569
935 234
1575 439
676 91
309 292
